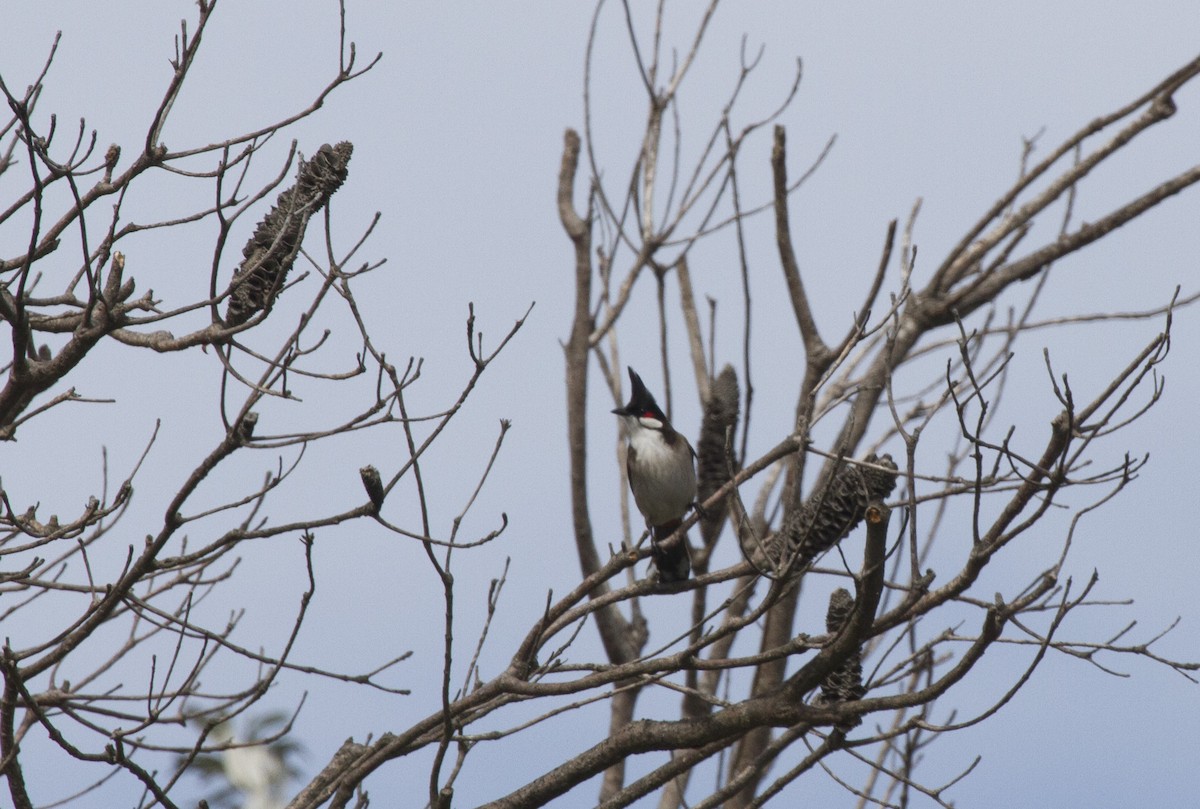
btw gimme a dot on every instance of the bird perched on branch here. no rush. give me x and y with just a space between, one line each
662 476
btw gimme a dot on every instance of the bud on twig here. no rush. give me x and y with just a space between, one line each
246 426
110 161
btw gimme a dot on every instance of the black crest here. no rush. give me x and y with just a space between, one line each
641 402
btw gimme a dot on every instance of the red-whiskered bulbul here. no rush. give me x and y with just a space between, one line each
662 476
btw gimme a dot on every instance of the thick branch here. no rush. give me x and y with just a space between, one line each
619 642
815 348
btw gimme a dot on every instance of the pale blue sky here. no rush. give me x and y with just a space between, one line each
457 137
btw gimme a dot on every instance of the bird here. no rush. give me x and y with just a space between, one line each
662 476
254 770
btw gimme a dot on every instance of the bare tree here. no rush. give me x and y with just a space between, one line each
78 288
849 500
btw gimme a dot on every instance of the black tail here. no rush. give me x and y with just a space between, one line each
671 557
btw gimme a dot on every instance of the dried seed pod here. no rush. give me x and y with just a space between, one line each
841 604
843 684
712 472
272 250
834 510
373 484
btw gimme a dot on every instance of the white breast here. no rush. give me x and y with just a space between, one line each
662 476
